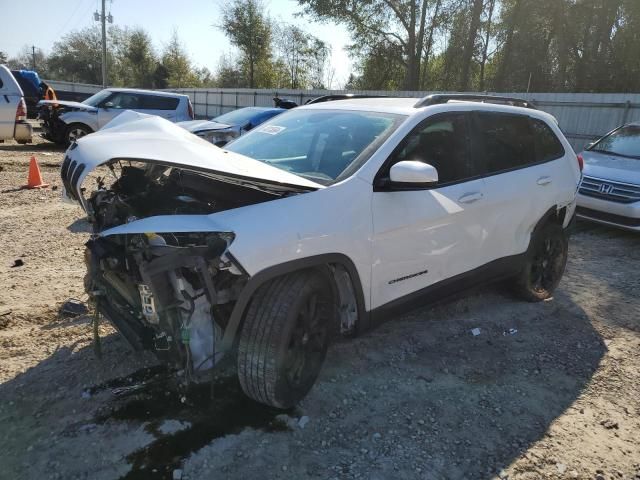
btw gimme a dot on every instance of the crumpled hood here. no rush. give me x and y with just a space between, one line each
203 125
611 167
64 103
140 137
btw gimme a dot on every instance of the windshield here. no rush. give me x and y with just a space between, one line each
238 117
95 100
320 145
625 142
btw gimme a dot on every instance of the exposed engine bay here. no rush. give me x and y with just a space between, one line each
169 293
141 191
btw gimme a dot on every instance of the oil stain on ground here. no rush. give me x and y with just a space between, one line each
208 417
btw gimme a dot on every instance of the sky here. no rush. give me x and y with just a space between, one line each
36 22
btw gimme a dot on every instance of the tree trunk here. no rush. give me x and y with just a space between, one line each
427 50
467 54
508 46
413 62
487 37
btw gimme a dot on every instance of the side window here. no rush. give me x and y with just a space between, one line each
443 142
507 140
548 147
157 102
125 100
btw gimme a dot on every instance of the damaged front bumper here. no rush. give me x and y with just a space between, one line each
173 298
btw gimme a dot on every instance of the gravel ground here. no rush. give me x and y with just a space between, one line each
547 390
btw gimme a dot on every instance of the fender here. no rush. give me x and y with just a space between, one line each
263 276
548 216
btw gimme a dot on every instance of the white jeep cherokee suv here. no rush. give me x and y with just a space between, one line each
328 218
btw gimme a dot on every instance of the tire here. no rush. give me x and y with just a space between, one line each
545 264
76 131
284 339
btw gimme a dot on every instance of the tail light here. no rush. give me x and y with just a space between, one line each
190 110
580 161
21 111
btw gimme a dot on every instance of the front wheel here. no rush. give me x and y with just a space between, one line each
76 131
545 264
285 337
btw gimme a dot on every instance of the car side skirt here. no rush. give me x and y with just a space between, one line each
449 288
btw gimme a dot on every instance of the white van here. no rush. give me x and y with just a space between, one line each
13 110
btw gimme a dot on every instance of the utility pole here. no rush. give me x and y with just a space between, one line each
103 18
33 57
104 46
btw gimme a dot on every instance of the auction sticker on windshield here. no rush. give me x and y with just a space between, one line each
272 129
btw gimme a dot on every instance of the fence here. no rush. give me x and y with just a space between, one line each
583 117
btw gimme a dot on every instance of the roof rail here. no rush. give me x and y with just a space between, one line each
439 98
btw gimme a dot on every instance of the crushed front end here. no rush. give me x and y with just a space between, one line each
159 265
171 294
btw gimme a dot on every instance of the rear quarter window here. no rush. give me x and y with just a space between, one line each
547 144
156 102
507 141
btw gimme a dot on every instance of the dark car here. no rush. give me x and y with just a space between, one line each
226 127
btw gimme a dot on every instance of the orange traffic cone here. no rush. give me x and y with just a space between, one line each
35 177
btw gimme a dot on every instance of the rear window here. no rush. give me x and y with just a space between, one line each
624 141
156 102
548 147
507 140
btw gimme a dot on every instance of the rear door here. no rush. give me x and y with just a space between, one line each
10 95
424 236
163 106
525 166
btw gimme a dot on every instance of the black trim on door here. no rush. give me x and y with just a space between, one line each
477 143
381 182
448 288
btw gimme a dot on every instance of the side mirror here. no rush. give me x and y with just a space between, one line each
413 172
107 105
589 145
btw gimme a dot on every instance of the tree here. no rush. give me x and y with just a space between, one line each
248 28
3 57
138 59
470 45
400 25
178 65
229 74
24 60
78 56
303 56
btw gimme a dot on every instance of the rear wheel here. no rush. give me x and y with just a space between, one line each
545 264
76 131
285 337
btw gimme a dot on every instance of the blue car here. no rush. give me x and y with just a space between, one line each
224 128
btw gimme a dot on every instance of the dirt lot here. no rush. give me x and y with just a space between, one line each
420 397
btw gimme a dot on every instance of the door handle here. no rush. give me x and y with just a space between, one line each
546 180
470 197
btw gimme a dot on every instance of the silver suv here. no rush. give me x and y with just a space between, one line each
64 122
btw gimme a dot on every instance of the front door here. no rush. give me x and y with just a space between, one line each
117 103
422 237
